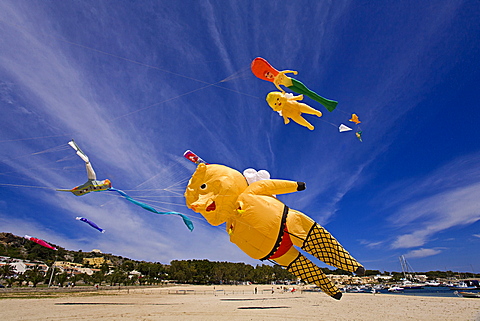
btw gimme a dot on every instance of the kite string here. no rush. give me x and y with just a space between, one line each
29 186
236 75
185 94
108 54
48 150
31 138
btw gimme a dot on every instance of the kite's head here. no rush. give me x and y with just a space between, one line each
276 100
263 70
107 184
213 191
269 75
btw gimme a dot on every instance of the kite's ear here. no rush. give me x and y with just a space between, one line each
201 168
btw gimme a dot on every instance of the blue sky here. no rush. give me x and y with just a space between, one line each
138 83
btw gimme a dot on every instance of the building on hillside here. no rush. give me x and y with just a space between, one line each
345 279
23 266
88 271
96 261
358 280
68 267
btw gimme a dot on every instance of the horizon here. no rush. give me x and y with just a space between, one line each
333 269
138 84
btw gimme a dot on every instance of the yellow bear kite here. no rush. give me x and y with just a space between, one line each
288 106
265 228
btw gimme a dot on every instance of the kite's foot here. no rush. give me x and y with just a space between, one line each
337 296
360 271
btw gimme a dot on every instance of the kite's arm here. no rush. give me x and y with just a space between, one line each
278 86
281 79
289 72
285 119
275 186
299 97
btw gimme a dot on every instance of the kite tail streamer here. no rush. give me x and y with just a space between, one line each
186 220
300 88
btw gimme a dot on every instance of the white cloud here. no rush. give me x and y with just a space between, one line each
422 253
370 244
445 199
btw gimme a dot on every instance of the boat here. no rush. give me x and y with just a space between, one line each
410 285
466 285
356 289
410 281
470 294
395 288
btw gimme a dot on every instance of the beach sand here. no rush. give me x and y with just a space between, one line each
236 303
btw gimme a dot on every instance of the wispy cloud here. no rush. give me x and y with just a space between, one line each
422 253
446 198
371 244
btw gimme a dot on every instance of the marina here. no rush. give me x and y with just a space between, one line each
438 291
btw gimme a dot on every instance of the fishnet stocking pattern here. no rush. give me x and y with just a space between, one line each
321 244
310 273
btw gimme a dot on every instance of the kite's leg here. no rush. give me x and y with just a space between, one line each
90 172
321 244
304 108
300 88
302 121
314 239
303 268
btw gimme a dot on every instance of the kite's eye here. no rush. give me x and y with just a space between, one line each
204 186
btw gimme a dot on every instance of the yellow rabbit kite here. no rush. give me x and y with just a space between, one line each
289 107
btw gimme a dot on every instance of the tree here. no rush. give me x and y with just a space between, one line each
75 278
10 281
35 275
78 256
105 268
61 278
7 270
87 279
263 274
98 277
128 266
21 277
281 274
118 276
182 271
372 272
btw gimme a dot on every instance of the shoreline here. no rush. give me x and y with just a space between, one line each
235 302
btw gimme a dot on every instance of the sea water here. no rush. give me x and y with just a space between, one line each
442 291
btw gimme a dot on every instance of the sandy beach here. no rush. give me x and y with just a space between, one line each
235 303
